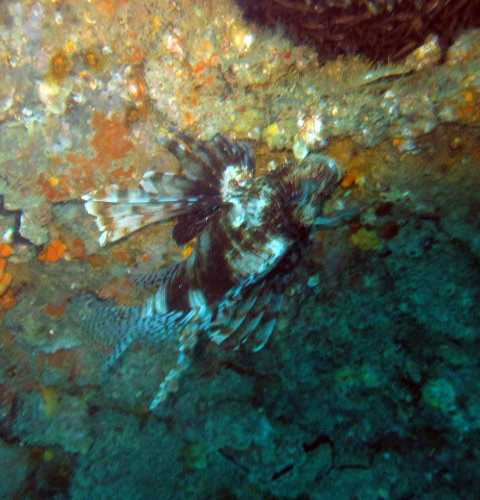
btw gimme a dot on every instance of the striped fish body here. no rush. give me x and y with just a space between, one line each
245 226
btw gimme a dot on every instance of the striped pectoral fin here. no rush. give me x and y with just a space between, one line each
161 196
116 221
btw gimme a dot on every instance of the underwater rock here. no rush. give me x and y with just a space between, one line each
16 461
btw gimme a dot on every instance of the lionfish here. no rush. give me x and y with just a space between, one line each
245 226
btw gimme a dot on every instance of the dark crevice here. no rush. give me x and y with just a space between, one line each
282 472
382 31
316 443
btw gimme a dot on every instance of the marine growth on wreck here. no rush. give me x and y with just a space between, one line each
239 249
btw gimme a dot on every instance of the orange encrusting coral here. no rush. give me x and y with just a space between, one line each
109 7
5 282
5 277
53 252
123 256
135 55
122 173
136 113
187 251
469 109
94 59
59 190
5 250
111 140
68 361
76 249
54 310
7 296
96 261
120 289
349 179
7 300
60 65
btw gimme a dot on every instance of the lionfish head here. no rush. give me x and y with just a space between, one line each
312 181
